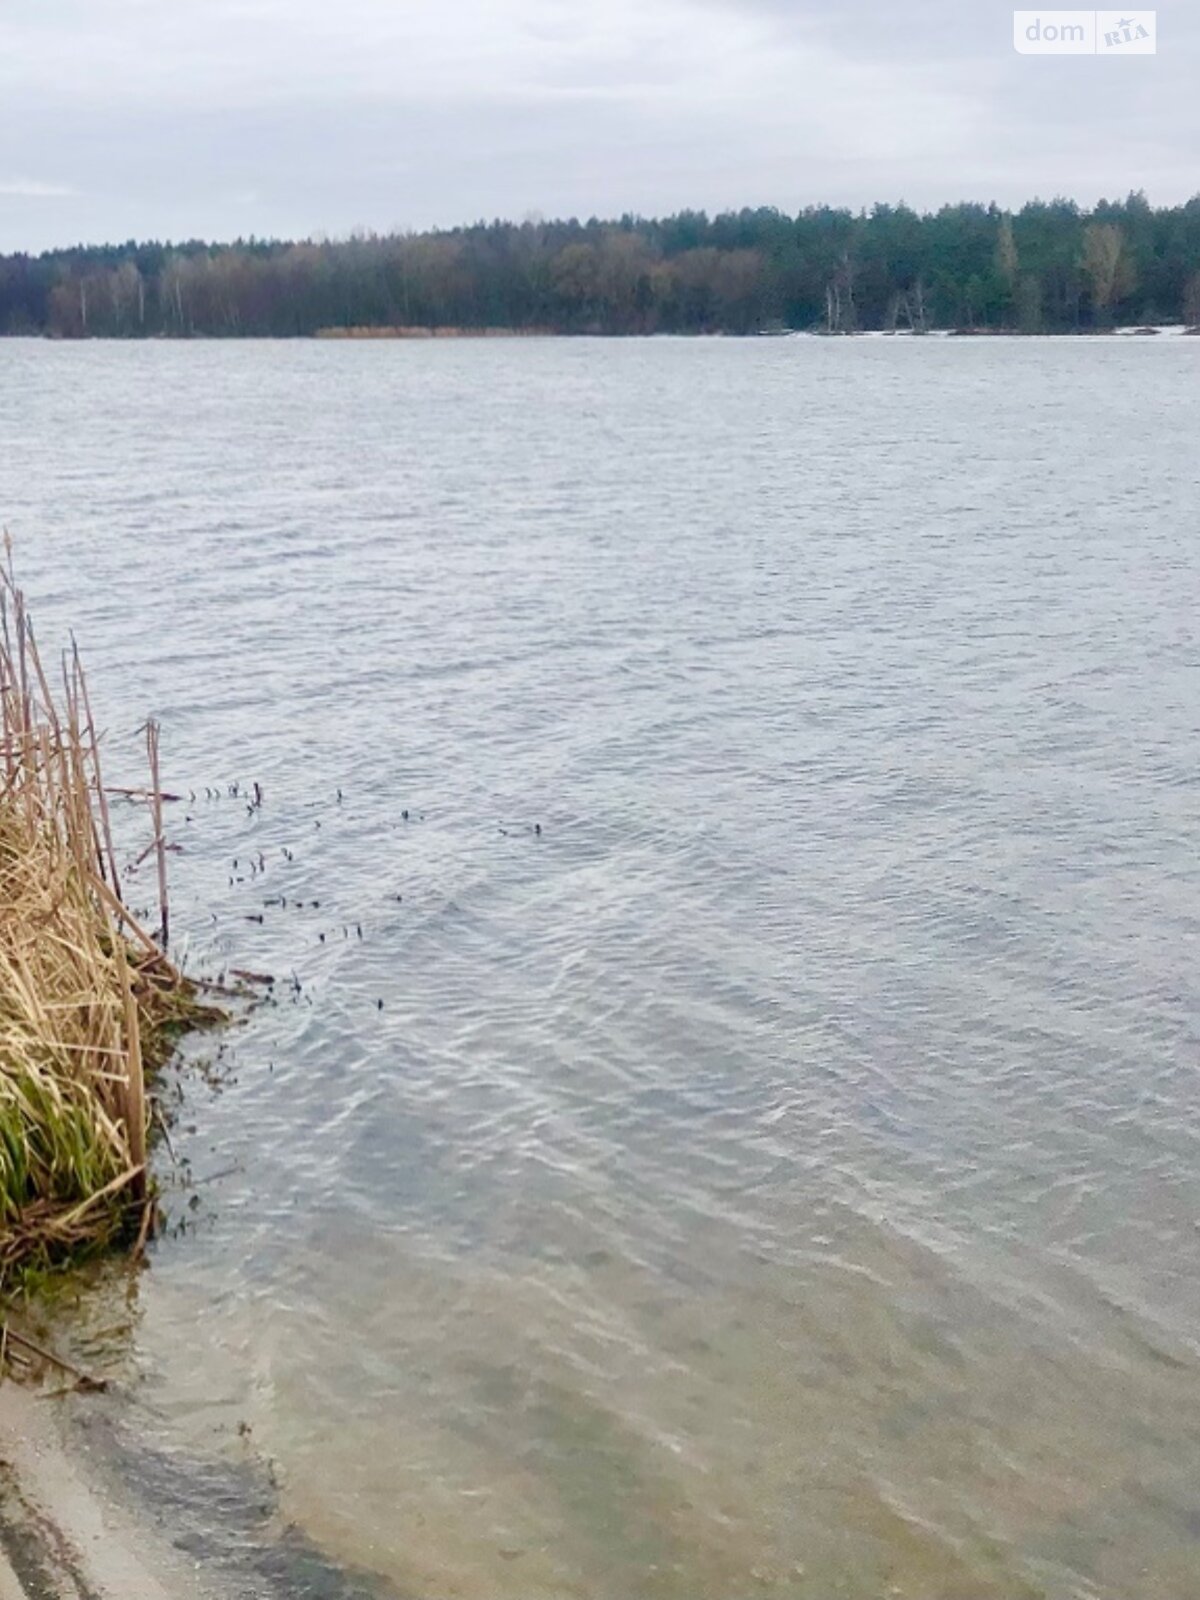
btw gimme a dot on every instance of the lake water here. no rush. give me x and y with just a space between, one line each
780 1176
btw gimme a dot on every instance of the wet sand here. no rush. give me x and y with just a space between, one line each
61 1536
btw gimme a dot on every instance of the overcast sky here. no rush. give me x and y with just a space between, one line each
183 118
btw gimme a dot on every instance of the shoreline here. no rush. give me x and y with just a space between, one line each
93 1007
454 335
61 1537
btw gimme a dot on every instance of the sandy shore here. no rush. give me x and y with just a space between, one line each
63 1537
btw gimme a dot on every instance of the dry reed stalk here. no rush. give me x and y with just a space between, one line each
88 1001
160 844
135 1077
101 792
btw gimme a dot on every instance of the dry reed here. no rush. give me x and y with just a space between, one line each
88 1002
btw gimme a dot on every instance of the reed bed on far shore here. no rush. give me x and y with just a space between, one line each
89 1002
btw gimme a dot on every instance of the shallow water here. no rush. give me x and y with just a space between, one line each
779 1175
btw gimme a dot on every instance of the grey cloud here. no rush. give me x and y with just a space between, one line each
33 189
222 117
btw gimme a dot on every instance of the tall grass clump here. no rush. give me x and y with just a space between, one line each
88 1002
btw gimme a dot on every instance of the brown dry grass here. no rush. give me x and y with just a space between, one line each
88 1002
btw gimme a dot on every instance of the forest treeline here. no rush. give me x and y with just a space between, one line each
1049 267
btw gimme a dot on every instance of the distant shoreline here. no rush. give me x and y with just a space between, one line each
1125 330
1049 267
384 332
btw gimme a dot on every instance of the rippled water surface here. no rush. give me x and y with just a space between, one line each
778 1176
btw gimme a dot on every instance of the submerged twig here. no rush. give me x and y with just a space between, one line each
143 794
83 1380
